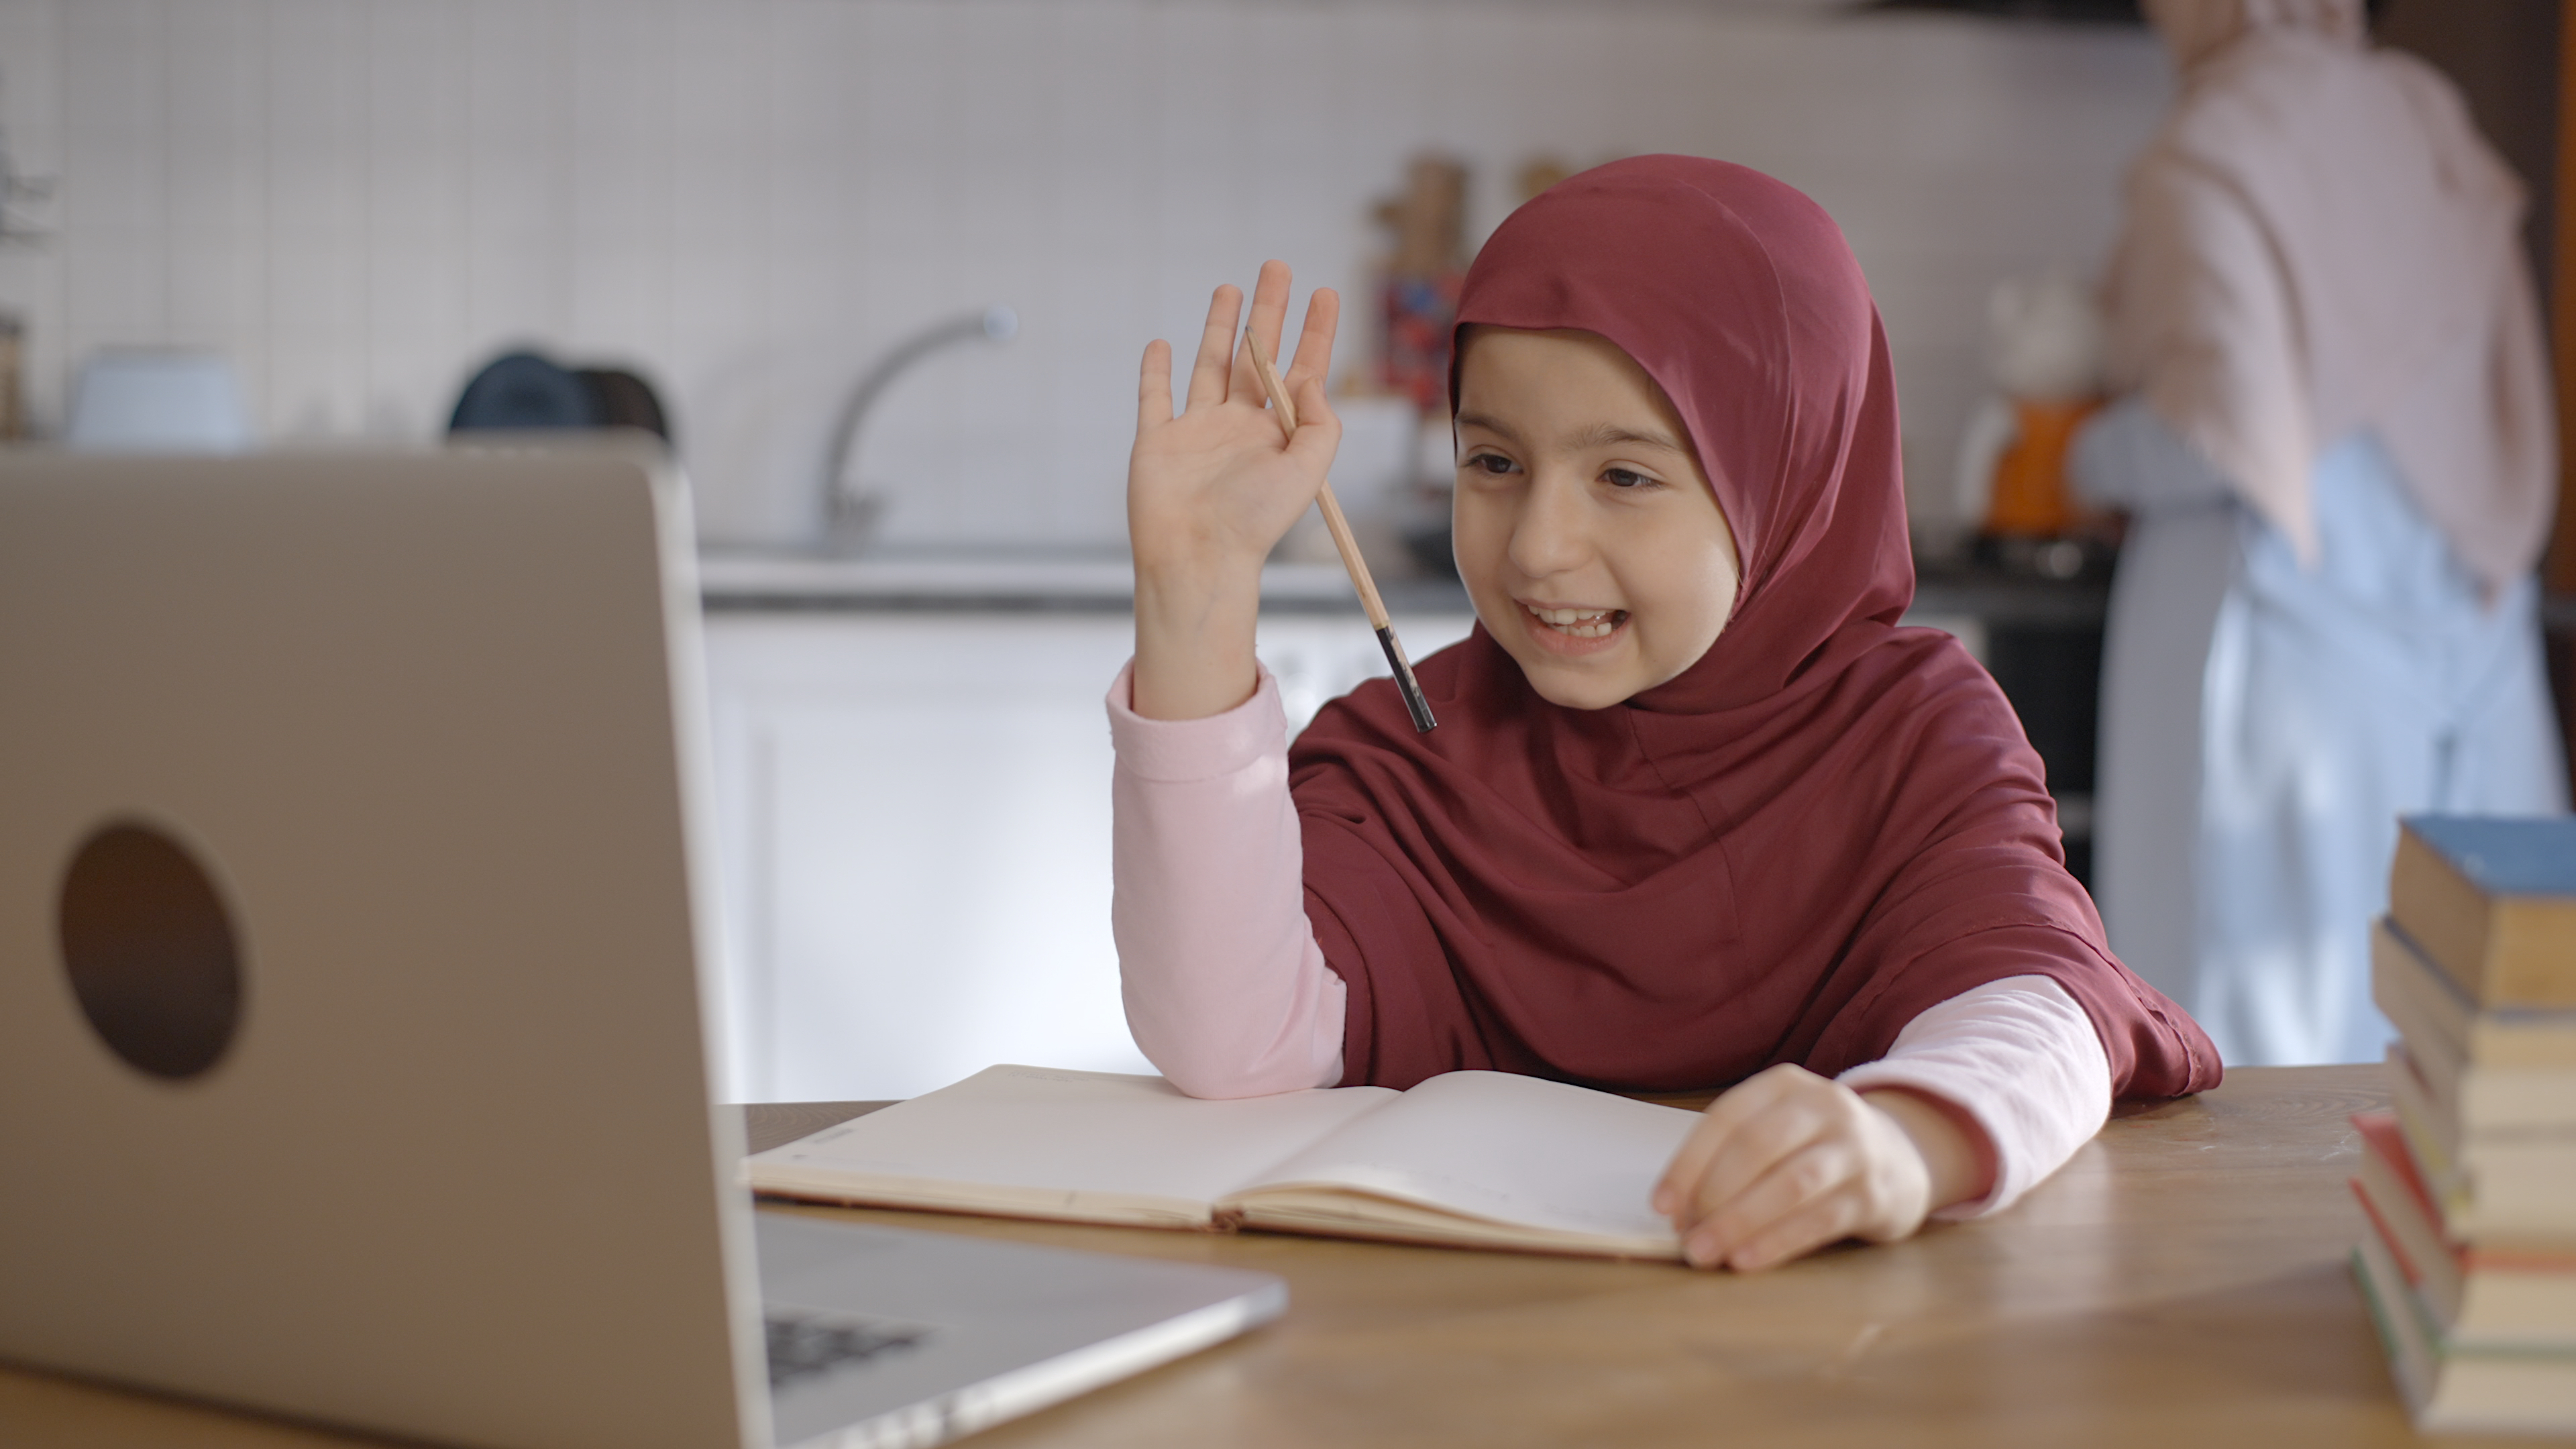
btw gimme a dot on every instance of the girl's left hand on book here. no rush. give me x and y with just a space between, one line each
1787 1162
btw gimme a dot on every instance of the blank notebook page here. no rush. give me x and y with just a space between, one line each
1087 1132
1511 1148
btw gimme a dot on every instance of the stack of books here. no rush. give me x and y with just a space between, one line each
2470 1185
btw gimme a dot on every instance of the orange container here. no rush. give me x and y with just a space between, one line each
2030 498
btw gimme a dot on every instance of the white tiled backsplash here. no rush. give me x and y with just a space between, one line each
360 200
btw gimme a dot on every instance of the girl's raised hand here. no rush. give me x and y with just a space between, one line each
1216 486
1787 1162
1211 491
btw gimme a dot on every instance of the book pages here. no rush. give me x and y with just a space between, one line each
1509 1149
1099 1146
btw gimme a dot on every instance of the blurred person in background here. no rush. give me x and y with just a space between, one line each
2335 445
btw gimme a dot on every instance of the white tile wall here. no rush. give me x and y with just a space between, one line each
359 200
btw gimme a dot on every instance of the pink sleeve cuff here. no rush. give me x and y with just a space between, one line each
2022 1061
1187 750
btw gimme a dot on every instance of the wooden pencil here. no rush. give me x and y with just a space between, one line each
1348 545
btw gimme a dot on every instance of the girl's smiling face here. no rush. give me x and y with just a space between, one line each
1585 528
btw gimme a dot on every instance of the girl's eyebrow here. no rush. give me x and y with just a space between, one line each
1599 435
1604 435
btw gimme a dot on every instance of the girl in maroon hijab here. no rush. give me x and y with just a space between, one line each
1698 813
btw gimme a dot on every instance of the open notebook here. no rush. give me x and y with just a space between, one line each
1468 1159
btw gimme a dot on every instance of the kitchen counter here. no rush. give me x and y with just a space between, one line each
984 582
1103 583
2009 600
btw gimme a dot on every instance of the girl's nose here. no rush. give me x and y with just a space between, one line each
1550 536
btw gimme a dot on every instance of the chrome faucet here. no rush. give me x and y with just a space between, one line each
850 514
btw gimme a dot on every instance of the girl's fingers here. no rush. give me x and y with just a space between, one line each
1679 1187
1208 374
1820 1223
1791 1186
1750 1185
1315 344
1786 1163
1319 429
1268 317
1761 1121
1154 387
1681 1177
1807 1199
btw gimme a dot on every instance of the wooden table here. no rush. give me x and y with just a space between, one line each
2181 1283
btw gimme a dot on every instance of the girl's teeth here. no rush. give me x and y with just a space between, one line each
1581 623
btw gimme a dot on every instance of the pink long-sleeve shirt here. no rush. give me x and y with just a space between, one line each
1228 994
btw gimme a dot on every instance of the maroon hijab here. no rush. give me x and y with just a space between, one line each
1825 826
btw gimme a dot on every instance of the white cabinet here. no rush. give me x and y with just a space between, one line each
913 836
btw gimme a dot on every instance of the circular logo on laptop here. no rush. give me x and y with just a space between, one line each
150 950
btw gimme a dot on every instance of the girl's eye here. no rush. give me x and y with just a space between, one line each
1624 478
1493 463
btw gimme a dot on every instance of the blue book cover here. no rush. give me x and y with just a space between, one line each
2505 856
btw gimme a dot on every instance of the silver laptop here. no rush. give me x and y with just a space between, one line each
354 1042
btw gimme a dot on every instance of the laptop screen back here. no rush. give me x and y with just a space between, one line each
351 1048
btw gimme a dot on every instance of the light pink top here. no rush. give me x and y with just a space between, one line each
1228 994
